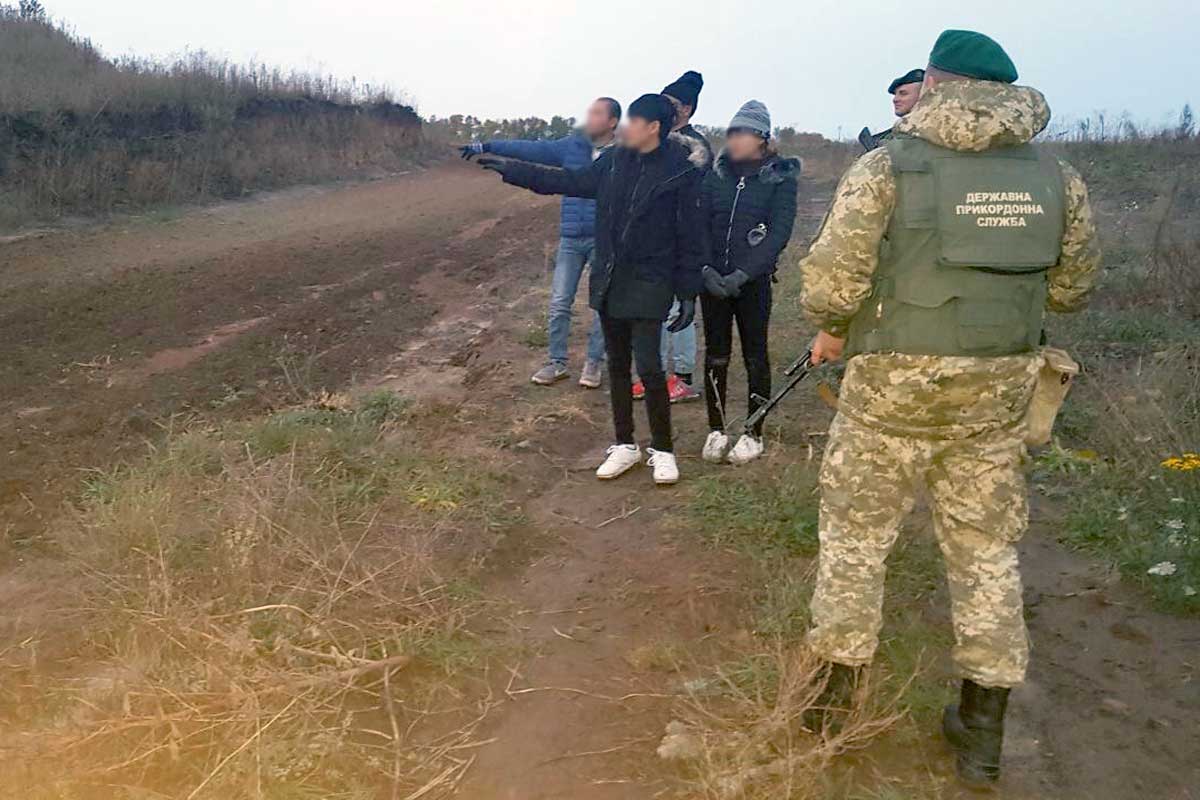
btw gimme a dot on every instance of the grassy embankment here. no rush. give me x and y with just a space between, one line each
81 134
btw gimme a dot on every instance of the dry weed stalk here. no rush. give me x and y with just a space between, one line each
745 739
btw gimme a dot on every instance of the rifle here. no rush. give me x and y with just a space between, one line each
868 140
797 372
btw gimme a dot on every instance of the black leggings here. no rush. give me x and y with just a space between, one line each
628 340
752 312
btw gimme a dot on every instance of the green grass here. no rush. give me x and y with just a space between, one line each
537 333
1135 330
768 516
1150 530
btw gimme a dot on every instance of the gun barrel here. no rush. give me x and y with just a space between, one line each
796 372
799 364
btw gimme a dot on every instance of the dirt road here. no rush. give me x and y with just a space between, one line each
428 280
108 332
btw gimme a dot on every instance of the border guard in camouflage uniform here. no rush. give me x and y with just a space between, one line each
940 254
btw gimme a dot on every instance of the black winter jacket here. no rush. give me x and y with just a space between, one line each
649 228
749 221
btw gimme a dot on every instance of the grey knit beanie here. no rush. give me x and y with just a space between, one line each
753 117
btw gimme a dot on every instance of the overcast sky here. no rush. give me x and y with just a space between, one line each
820 65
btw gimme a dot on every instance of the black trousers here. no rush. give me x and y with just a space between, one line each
751 310
629 341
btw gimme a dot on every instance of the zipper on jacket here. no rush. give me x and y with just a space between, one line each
729 232
631 205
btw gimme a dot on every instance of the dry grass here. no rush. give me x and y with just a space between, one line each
46 67
257 613
80 134
741 735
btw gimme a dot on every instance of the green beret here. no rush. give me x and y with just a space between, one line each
973 55
912 76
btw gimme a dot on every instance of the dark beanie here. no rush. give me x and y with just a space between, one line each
687 89
973 55
654 108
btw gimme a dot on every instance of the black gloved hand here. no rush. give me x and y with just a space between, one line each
469 151
714 282
494 163
687 315
735 282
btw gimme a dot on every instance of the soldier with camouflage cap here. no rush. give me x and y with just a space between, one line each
940 254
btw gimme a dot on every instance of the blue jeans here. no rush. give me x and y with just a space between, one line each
681 345
573 255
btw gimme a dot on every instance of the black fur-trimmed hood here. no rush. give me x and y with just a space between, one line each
698 154
777 169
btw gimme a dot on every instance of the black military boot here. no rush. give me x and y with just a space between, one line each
975 729
836 700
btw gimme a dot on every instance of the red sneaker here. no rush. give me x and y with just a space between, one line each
680 391
639 391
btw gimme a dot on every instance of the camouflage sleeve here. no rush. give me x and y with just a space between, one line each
839 268
1074 277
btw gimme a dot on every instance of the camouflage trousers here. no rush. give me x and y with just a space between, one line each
976 489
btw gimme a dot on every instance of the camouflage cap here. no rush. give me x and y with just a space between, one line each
912 76
973 55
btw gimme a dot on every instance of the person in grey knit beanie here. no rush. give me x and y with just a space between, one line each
752 117
749 205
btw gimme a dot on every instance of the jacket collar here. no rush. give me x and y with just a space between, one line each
973 115
776 169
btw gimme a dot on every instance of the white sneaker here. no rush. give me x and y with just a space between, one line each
666 469
621 459
715 446
746 450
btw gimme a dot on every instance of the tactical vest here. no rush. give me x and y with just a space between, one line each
962 269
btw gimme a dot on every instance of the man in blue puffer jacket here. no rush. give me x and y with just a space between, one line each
577 233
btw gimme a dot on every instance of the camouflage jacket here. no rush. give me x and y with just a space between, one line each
933 395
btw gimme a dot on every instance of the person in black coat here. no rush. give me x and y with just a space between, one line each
649 251
749 203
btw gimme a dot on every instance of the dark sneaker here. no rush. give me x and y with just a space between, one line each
592 375
550 374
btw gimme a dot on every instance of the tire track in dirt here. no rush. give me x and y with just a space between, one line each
107 332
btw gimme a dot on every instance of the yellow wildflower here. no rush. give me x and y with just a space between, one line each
1185 462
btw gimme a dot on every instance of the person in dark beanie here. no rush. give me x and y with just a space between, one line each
749 206
648 256
679 349
684 94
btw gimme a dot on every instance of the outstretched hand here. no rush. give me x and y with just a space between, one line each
687 315
469 151
494 163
